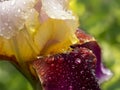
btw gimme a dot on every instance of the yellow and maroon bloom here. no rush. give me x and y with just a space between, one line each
41 38
79 68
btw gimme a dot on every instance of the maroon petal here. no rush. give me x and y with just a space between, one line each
74 70
89 42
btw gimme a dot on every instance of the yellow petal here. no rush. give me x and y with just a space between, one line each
29 37
26 37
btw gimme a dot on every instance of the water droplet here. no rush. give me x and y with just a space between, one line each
85 66
39 57
83 88
93 72
69 61
54 7
61 60
52 59
10 27
63 76
62 86
16 15
42 73
13 2
49 78
19 10
69 78
6 24
52 65
70 87
81 72
76 76
84 55
71 73
3 8
87 79
24 2
73 67
77 61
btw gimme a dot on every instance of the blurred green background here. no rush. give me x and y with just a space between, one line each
101 19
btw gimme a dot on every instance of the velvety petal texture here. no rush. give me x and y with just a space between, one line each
74 70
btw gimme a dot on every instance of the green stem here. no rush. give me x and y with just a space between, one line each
36 84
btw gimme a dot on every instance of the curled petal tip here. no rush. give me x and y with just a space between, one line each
104 75
87 41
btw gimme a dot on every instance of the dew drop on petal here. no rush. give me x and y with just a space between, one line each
52 65
61 60
81 72
83 88
73 67
24 2
3 8
6 24
49 78
68 78
70 87
10 28
19 10
77 61
42 73
13 2
62 86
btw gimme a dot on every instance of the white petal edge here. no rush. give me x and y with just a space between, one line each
12 16
57 9
106 74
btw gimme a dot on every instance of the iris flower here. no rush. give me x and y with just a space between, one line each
42 40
